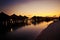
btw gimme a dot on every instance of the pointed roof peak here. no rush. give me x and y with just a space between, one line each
2 13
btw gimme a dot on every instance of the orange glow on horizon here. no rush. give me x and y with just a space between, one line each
35 8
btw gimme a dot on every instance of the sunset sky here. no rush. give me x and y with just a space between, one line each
31 7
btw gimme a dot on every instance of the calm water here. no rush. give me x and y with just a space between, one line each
29 32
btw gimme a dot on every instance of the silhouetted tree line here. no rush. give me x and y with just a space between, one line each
5 19
14 19
38 19
7 22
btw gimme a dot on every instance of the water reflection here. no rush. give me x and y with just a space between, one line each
11 30
28 32
21 27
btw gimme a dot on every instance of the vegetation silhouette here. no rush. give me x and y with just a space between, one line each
13 21
7 22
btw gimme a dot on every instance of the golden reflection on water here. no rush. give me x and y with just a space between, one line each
37 28
31 31
34 28
45 24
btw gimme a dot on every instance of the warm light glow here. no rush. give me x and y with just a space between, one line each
35 8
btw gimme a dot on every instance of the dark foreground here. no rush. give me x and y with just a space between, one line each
52 32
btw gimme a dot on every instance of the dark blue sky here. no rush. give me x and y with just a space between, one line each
4 3
30 7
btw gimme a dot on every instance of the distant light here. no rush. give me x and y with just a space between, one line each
11 29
